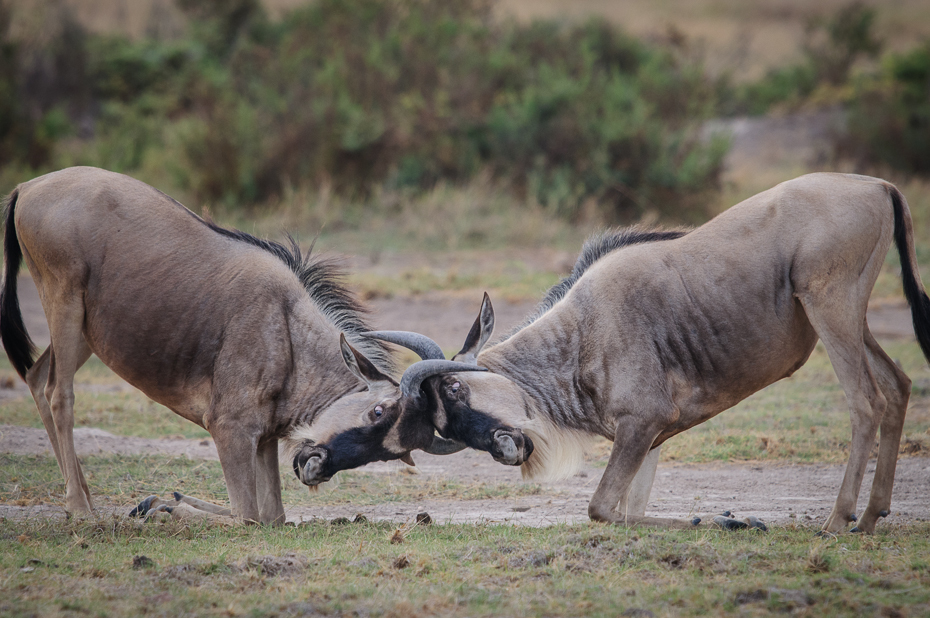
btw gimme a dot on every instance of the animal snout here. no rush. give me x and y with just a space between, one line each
510 447
309 466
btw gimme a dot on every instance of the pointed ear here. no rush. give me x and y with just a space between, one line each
360 366
479 334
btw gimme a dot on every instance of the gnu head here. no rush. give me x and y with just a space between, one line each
387 420
480 410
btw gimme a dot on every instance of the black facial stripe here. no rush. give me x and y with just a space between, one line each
353 448
473 427
361 445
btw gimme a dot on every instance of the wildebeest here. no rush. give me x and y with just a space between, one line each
654 333
236 334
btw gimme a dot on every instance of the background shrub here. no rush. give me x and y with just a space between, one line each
361 95
889 118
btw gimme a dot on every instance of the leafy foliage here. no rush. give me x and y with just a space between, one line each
359 95
832 47
889 119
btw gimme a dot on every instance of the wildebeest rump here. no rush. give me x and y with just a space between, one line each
236 334
654 335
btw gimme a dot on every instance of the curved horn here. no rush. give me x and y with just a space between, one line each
442 446
419 371
426 348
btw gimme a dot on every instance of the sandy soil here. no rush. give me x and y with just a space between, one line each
776 494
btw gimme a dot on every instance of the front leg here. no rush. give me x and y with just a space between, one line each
617 498
641 487
268 484
623 492
238 451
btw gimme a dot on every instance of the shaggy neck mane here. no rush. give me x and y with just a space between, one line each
595 247
322 278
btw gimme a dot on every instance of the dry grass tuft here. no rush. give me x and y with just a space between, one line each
817 560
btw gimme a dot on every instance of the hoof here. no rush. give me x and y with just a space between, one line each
161 512
695 521
726 513
143 508
883 513
855 529
177 495
852 517
756 523
727 523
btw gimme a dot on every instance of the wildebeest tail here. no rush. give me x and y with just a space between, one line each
16 341
913 288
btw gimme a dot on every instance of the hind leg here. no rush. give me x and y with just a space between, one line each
68 352
896 387
641 486
840 325
37 380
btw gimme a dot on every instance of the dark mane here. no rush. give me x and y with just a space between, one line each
595 247
322 278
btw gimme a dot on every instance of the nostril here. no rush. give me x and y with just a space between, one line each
308 467
508 448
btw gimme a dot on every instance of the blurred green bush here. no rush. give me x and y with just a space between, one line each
888 121
832 47
360 95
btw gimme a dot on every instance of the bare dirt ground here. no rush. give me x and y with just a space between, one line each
778 494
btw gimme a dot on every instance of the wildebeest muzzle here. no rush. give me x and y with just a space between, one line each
310 465
510 446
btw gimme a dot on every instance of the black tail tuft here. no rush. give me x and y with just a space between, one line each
913 289
16 341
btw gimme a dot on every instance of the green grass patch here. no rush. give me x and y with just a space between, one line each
86 566
122 413
122 480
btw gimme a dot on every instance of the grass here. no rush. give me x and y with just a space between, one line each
510 281
124 480
96 567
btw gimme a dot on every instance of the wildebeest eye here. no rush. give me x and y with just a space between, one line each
379 410
455 387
